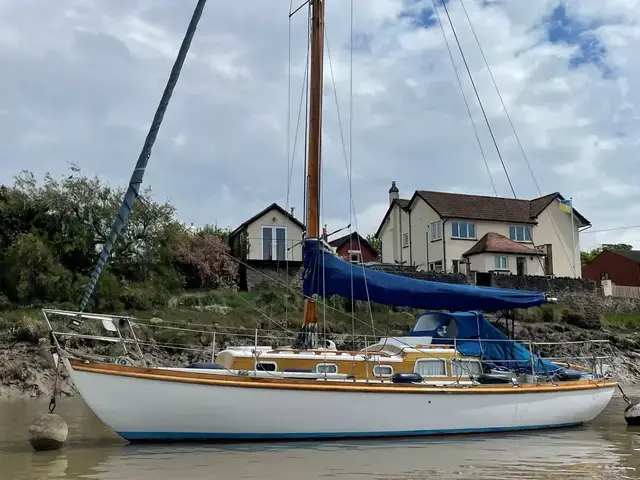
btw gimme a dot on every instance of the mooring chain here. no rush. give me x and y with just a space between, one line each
624 395
52 401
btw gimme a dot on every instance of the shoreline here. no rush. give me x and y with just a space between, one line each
24 372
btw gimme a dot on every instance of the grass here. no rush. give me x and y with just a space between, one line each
268 310
623 321
220 311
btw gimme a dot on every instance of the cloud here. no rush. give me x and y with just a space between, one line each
82 78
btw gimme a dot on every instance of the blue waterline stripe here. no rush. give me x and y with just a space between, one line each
314 435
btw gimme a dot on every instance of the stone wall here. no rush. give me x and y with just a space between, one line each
422 275
554 286
262 275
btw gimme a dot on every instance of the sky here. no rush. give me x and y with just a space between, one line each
81 80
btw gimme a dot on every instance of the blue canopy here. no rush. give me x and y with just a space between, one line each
327 274
475 336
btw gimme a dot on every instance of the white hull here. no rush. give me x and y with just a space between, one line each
150 409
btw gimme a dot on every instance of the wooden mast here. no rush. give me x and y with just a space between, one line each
315 137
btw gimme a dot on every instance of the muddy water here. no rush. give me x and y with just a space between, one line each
606 448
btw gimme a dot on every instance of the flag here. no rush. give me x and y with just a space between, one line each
565 205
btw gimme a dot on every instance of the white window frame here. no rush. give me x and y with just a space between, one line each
274 243
405 240
443 360
326 365
524 230
459 222
463 373
436 231
497 259
268 362
358 255
377 373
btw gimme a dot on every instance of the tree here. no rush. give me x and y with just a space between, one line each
376 243
588 255
206 262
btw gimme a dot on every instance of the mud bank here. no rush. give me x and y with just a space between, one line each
25 373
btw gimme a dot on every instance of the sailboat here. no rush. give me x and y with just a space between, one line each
454 372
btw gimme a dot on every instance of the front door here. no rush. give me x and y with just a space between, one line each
521 264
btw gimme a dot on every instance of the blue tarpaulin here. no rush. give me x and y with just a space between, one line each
327 274
475 336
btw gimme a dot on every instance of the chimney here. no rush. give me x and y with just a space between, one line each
324 233
292 209
394 193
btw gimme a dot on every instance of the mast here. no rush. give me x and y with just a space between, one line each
314 141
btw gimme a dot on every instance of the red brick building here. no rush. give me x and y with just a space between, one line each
353 248
622 267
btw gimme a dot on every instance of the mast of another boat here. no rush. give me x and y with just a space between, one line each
314 152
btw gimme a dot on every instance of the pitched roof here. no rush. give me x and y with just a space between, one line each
480 207
496 243
539 204
477 207
340 241
403 203
633 255
273 206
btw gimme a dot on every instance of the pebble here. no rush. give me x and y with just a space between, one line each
48 432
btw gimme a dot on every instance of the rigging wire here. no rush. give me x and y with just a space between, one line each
157 215
630 227
350 168
291 154
475 89
464 97
517 137
352 210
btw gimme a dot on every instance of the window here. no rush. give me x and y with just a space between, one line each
520 233
383 370
465 368
435 266
431 367
456 265
501 262
327 368
436 231
267 366
463 229
405 240
274 243
354 256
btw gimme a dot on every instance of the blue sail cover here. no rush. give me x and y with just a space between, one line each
327 274
475 336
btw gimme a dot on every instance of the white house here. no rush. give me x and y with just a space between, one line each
273 234
454 232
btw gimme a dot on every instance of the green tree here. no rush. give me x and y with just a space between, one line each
376 243
588 255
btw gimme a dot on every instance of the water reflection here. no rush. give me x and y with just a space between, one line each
605 449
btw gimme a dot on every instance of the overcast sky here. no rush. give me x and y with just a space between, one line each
81 79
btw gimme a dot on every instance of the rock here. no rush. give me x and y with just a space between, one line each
48 432
156 320
632 414
219 309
